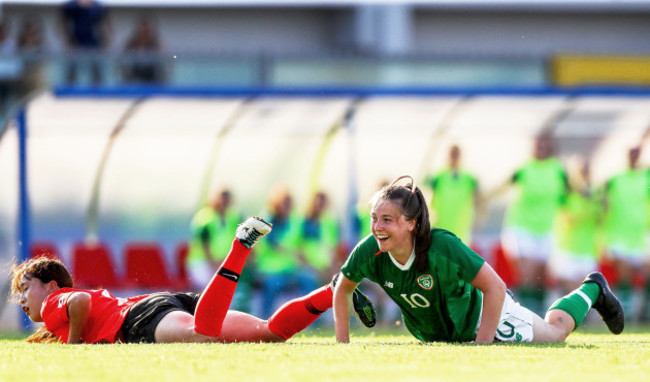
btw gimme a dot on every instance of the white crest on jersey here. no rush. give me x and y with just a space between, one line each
425 281
388 284
61 301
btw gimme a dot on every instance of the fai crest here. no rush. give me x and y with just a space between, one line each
426 282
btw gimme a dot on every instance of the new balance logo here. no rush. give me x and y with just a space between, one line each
230 275
388 284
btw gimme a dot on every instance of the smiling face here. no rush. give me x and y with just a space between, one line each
391 229
33 293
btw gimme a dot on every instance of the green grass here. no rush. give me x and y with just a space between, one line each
372 356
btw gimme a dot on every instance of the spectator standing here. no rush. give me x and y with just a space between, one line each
29 45
86 31
277 259
212 229
455 197
579 229
626 199
7 45
319 239
142 49
9 67
528 235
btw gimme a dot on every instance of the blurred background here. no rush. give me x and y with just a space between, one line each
135 135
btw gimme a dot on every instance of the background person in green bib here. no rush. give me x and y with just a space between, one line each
318 244
528 233
211 233
455 197
211 230
447 292
579 229
626 199
277 258
319 239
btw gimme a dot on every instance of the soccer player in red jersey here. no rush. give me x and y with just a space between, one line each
44 289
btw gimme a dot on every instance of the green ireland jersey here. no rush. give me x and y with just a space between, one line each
453 202
438 303
218 231
627 198
542 190
578 226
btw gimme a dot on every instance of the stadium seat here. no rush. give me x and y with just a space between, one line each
44 249
181 256
145 266
504 266
93 267
607 268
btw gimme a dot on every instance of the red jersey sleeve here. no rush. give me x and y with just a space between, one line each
55 309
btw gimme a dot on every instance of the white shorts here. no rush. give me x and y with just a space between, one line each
515 323
522 243
565 266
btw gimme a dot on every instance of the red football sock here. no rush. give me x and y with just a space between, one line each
217 295
301 312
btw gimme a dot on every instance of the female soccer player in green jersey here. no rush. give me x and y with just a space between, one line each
447 292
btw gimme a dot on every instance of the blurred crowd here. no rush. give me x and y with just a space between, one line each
303 251
558 227
85 32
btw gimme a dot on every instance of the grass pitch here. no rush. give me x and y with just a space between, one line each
372 356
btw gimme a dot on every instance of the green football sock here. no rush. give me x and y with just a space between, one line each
578 302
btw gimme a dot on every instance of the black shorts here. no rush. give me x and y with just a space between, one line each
143 317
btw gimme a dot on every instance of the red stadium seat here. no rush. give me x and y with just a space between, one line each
93 267
145 266
607 268
181 256
504 266
44 249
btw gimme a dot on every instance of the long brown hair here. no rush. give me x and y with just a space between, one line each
45 269
411 203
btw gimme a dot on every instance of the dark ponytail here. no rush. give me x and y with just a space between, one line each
411 203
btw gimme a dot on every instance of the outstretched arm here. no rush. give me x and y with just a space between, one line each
342 303
481 213
494 293
79 305
498 191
